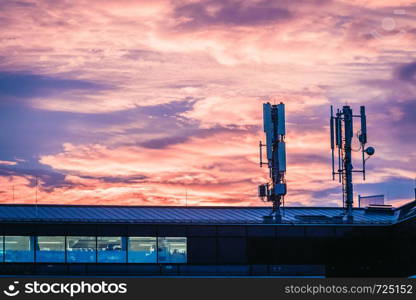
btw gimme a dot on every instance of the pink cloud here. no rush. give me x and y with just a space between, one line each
7 163
220 169
226 63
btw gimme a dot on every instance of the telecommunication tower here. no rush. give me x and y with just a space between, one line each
342 133
274 127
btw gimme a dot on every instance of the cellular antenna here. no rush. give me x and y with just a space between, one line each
274 127
341 137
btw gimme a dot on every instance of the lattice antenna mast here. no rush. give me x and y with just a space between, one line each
274 127
342 133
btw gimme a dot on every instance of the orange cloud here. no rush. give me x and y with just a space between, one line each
153 53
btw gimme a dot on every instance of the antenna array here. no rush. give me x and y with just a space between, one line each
274 127
341 130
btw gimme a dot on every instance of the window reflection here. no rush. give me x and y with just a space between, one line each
111 249
91 249
1 248
142 250
19 248
50 249
81 249
172 250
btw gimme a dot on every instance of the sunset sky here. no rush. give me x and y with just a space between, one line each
145 102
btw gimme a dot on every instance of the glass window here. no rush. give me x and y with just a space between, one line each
1 249
142 250
50 249
111 249
19 249
172 249
81 249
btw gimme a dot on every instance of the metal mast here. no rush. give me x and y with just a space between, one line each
342 133
274 127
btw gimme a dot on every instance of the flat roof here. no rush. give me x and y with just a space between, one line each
193 215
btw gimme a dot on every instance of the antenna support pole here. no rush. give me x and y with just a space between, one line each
347 161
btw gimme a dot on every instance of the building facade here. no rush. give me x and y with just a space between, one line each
195 241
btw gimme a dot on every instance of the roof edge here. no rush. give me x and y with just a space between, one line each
169 206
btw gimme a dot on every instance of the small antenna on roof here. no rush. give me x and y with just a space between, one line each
36 195
415 188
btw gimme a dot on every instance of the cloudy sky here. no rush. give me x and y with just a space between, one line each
159 102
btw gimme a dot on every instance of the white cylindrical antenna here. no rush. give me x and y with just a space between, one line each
268 129
267 116
331 129
363 136
281 152
338 128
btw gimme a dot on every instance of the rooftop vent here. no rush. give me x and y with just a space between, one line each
319 219
380 209
366 201
312 217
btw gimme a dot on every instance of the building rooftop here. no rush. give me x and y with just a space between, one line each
195 215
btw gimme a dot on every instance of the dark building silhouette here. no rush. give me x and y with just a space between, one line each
136 240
